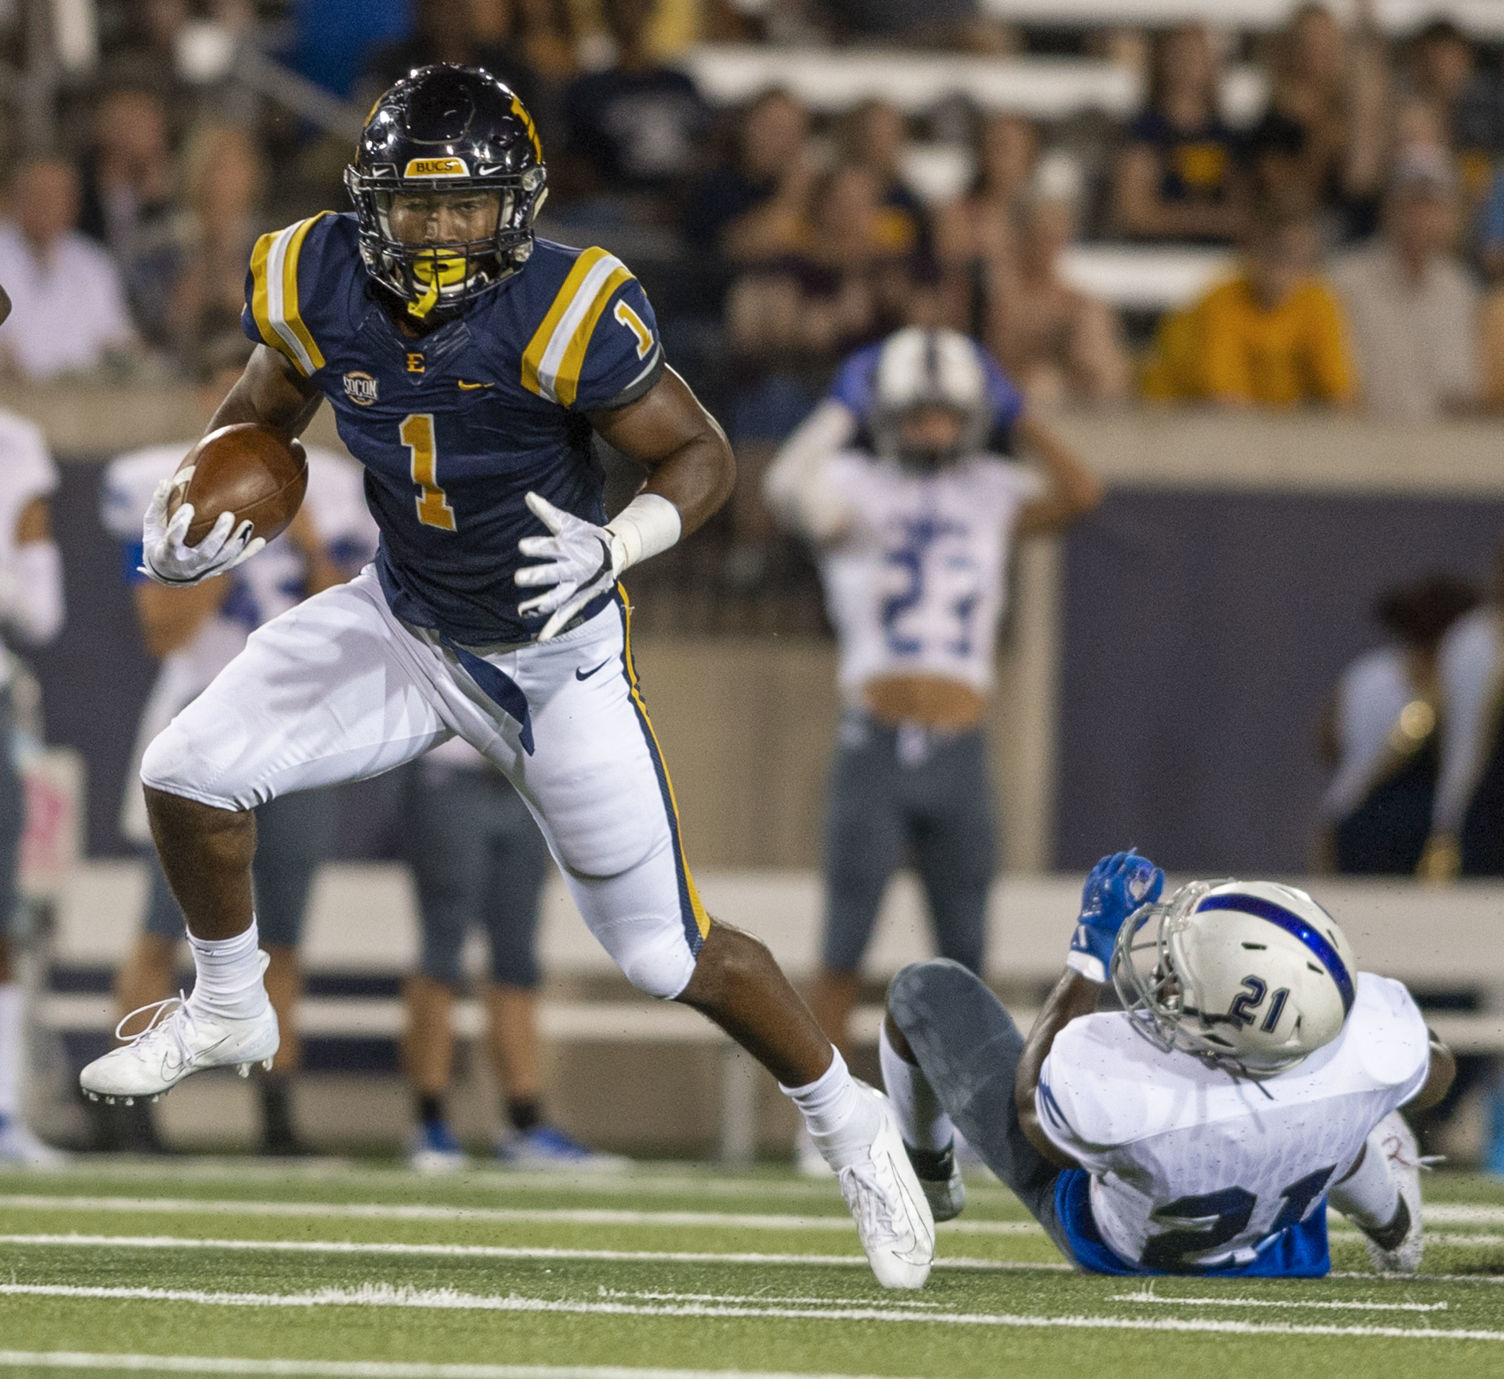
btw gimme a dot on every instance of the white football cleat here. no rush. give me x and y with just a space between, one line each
1398 1249
20 1147
178 1041
892 1216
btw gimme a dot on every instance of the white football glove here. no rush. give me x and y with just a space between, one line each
579 560
167 559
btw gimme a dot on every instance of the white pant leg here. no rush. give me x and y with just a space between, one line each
596 783
328 692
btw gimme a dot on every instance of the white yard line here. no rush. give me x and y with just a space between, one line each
386 1296
364 1369
391 1211
647 1179
444 1250
1170 1301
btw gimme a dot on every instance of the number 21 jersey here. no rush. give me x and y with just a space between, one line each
1194 1170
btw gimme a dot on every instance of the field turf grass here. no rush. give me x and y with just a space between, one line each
201 1266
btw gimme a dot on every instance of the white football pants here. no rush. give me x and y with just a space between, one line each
339 689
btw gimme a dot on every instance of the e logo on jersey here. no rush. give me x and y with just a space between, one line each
360 388
437 167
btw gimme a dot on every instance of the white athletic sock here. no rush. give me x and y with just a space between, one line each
921 1118
12 1050
841 1121
1369 1197
228 976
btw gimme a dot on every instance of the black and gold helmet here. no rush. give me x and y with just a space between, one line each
450 131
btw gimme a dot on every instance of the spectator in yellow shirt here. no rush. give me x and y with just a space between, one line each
1273 336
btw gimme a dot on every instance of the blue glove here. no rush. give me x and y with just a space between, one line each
1116 887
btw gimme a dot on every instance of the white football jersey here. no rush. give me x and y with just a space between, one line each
269 583
26 473
918 581
1179 1148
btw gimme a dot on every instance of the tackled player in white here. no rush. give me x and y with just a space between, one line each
1253 1076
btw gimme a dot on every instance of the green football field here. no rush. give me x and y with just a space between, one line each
237 1267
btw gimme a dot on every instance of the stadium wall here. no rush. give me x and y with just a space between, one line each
1162 674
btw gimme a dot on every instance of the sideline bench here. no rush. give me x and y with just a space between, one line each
362 924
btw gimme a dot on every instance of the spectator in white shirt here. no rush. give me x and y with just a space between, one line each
1411 305
69 310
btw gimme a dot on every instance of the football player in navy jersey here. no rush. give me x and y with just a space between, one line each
468 365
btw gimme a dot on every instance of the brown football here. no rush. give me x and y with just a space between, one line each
258 474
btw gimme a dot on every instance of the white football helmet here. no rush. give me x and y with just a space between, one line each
917 368
1251 975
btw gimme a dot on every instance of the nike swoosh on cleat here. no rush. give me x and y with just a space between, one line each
586 674
470 387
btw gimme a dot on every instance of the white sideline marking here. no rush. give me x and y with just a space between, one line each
1147 1296
402 1247
446 1299
365 1369
389 1211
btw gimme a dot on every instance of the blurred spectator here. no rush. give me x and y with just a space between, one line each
68 308
874 137
445 31
1411 306
849 283
543 31
1335 88
1058 343
1379 735
1177 178
129 178
224 186
1273 336
637 127
1468 99
128 172
751 207
975 235
1467 818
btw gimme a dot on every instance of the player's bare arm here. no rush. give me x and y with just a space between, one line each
683 448
1074 489
1116 889
271 392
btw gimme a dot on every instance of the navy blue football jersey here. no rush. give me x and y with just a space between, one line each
454 428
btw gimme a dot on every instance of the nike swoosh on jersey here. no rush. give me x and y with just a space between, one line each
586 674
468 387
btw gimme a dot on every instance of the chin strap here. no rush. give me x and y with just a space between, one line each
433 272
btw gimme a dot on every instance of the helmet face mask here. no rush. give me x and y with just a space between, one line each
447 179
1250 976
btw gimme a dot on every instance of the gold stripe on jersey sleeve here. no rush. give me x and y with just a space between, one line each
532 356
274 295
567 384
555 356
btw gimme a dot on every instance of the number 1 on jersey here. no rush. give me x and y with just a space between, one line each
417 436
